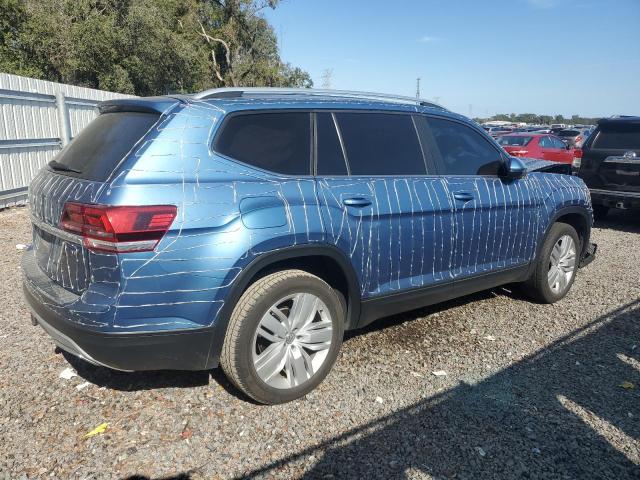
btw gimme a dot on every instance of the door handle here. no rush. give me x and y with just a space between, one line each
463 196
357 202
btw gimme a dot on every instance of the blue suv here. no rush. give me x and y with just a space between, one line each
249 228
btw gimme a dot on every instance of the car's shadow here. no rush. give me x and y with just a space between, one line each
622 220
570 410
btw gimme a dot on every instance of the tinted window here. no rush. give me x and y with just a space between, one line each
279 142
99 147
330 158
623 137
514 141
557 143
568 133
381 144
463 150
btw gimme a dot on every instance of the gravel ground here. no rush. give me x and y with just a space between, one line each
530 391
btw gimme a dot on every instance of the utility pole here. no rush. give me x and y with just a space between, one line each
418 87
326 78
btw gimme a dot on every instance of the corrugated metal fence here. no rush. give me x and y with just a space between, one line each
37 118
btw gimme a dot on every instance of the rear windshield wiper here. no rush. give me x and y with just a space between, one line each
62 167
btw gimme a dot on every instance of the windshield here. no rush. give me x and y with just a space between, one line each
97 150
515 141
623 137
568 133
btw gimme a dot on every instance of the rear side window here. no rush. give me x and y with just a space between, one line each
97 150
568 133
330 157
279 142
622 137
381 144
514 141
463 151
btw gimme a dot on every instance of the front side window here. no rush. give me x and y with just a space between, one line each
545 142
278 142
463 151
381 144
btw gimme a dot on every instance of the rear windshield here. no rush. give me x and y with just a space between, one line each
623 137
514 141
100 146
568 133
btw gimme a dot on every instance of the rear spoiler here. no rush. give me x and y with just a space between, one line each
157 105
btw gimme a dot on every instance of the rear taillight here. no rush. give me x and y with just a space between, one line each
118 229
577 159
519 153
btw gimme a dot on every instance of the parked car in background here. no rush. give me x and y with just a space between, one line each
573 137
251 227
538 146
610 164
495 131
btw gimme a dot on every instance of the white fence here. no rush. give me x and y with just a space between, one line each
37 118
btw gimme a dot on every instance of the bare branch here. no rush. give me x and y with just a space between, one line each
203 33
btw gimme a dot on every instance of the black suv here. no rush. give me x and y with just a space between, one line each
610 164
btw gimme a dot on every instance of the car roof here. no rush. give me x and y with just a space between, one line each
279 99
327 102
620 120
526 134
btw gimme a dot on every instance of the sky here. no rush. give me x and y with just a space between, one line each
475 57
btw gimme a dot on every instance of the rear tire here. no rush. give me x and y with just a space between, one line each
283 337
600 212
556 266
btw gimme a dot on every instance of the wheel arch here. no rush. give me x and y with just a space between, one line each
576 216
324 261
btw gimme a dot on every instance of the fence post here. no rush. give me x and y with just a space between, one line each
64 123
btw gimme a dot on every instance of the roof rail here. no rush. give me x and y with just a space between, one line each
238 92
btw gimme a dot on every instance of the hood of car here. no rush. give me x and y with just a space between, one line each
536 165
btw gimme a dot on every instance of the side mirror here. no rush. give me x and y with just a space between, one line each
514 168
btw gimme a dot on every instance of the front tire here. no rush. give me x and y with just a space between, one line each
283 337
557 265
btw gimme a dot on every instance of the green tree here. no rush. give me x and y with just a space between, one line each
144 47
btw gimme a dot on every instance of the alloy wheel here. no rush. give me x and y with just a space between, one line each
561 264
292 340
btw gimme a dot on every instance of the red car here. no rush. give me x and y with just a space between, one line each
542 146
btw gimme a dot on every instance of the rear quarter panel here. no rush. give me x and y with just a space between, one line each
228 214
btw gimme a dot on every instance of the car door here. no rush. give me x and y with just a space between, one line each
378 203
555 149
563 154
546 149
494 218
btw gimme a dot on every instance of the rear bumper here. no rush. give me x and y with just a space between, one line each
184 350
615 199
